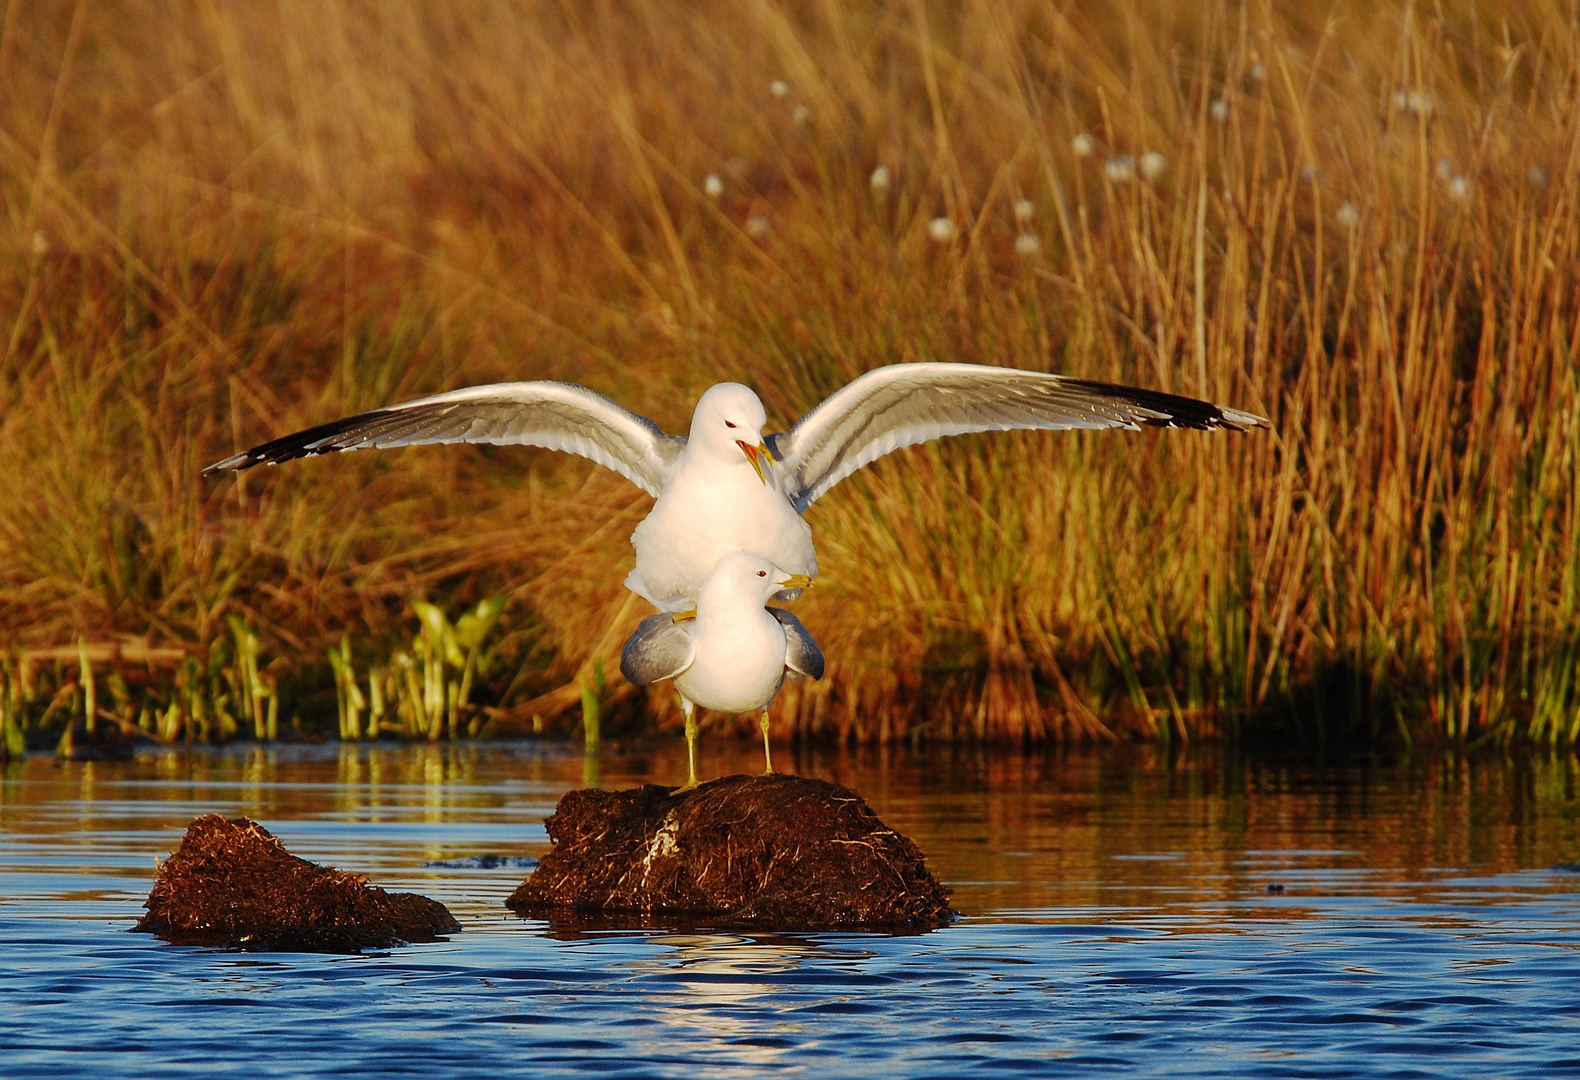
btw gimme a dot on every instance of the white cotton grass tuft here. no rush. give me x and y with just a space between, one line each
1218 110
712 186
880 178
1027 244
779 88
1417 103
941 229
1347 216
1025 209
800 114
1456 184
1153 166
1120 169
1083 145
756 227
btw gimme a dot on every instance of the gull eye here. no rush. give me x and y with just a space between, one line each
762 573
729 424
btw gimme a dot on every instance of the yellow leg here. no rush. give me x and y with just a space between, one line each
768 757
691 743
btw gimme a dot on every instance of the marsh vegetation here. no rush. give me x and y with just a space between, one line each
224 222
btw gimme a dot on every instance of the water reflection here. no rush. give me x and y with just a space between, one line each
1119 918
1068 828
720 986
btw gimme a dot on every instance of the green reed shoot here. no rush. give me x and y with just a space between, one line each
90 710
256 697
427 686
592 710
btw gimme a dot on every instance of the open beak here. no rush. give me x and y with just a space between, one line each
796 581
757 455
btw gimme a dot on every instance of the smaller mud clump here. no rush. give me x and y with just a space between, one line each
232 883
760 852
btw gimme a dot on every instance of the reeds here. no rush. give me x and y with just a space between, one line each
224 222
420 691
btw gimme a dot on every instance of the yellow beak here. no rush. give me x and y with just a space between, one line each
796 581
756 455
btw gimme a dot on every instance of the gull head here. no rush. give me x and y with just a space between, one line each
741 578
729 420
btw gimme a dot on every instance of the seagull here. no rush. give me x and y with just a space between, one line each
728 486
732 652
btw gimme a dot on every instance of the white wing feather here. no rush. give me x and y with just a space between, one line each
554 415
904 404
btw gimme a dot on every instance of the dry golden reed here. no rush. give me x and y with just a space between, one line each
226 221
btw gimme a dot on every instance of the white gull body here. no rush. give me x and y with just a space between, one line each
733 654
728 487
717 501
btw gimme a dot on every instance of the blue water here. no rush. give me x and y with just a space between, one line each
1118 920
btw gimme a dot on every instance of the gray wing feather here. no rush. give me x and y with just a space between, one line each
801 653
904 404
555 415
660 648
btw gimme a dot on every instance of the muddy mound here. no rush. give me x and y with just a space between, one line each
761 852
231 883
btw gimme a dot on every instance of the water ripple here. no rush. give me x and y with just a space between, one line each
1119 945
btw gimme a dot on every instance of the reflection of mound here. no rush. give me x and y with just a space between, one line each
231 883
778 852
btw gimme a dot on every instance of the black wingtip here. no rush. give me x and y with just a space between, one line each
309 443
1174 410
270 453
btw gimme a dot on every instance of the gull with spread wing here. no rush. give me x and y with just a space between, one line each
732 652
728 487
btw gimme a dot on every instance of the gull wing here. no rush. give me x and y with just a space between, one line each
660 648
556 415
801 653
904 404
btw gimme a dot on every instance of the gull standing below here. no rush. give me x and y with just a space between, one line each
728 487
733 655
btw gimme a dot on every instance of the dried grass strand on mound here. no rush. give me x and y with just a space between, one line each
232 883
767 852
